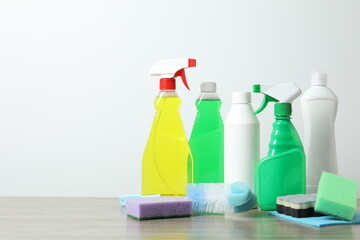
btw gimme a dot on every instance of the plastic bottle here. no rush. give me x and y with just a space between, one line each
283 171
164 164
319 106
207 137
242 140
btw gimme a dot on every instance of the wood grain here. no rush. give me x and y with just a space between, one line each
103 218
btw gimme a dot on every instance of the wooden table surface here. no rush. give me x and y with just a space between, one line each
103 218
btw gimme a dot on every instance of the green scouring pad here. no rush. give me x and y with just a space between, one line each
336 196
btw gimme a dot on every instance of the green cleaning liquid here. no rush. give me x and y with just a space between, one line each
207 138
164 166
282 172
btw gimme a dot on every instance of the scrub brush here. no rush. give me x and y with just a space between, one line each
220 197
209 197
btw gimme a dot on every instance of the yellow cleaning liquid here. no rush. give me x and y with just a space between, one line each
164 165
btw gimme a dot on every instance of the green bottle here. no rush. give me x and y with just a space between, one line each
282 172
207 138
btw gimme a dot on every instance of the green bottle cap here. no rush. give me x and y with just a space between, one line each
282 109
257 88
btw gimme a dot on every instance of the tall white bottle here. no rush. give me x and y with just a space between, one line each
241 140
319 105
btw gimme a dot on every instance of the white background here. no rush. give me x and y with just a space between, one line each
76 101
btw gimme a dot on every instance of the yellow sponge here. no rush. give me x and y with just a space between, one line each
336 196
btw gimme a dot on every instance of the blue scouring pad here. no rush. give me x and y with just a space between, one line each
123 198
241 197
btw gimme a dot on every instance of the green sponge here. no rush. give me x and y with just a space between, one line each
336 196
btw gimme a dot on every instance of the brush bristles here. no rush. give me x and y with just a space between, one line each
209 197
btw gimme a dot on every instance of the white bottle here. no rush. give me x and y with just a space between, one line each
241 140
319 106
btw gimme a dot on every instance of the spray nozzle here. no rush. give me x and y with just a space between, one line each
169 69
281 93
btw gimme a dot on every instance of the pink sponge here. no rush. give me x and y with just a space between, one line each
158 207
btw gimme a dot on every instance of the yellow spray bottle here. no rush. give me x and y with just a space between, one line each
164 164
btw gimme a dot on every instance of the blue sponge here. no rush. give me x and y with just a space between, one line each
123 198
241 197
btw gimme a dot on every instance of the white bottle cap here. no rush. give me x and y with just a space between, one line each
318 78
241 97
208 87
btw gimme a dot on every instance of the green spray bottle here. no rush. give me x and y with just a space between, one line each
282 172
